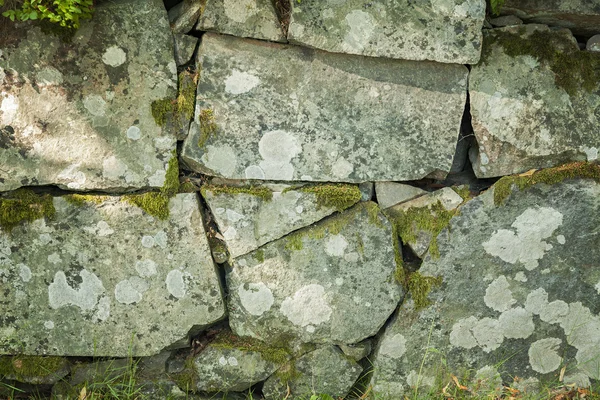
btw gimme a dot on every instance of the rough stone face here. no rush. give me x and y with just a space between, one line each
333 282
392 193
247 221
243 18
325 370
521 118
520 285
185 15
184 48
593 44
106 279
321 117
78 114
506 20
582 17
230 369
446 31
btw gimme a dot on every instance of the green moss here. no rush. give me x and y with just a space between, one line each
208 126
171 186
294 241
23 205
399 273
81 200
335 195
186 98
258 191
30 366
550 176
187 379
463 191
259 256
278 355
162 110
288 373
419 287
573 69
188 187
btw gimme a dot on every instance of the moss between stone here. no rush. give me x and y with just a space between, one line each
208 126
288 373
399 273
82 199
24 205
463 191
187 379
336 195
419 287
30 366
583 170
182 107
573 69
275 354
162 109
258 191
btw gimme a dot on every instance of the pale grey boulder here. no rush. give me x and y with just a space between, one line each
103 278
321 117
392 193
447 31
357 351
582 17
331 283
325 370
249 217
533 109
520 282
77 113
243 18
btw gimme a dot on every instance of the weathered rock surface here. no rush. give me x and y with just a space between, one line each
34 370
533 109
184 15
78 114
392 193
251 217
593 43
447 31
106 279
325 370
243 18
333 282
520 286
506 20
582 17
323 117
184 48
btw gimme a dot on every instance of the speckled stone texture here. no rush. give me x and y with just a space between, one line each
248 221
78 114
106 280
288 113
580 16
332 283
520 288
447 31
242 18
521 118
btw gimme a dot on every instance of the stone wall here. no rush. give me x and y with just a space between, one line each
359 199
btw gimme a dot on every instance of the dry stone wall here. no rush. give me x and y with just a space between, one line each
283 199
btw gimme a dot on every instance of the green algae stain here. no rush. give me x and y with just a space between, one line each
24 205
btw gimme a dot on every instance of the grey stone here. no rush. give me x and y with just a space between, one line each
184 48
506 20
353 119
185 15
357 351
448 31
154 366
367 190
392 193
593 43
101 372
249 220
318 284
582 17
78 114
106 279
230 369
516 128
322 371
508 295
243 18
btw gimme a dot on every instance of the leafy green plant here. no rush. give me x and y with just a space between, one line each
66 13
496 6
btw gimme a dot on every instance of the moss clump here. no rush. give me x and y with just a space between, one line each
336 195
573 69
287 373
419 287
208 126
157 203
550 176
182 107
273 354
23 367
294 241
188 187
24 205
81 200
259 256
258 191
162 110
463 191
399 273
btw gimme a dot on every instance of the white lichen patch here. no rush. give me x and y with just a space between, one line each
134 133
24 272
361 26
148 241
113 168
414 379
95 105
221 159
278 148
256 298
130 290
100 229
336 245
74 178
516 323
527 245
488 334
48 324
114 56
9 107
309 305
240 10
543 355
145 268
498 295
240 82
176 285
48 76
393 346
60 294
461 335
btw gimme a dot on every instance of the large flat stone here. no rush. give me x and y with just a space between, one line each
106 279
251 217
321 117
447 31
77 113
333 282
520 288
580 16
530 110
243 18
